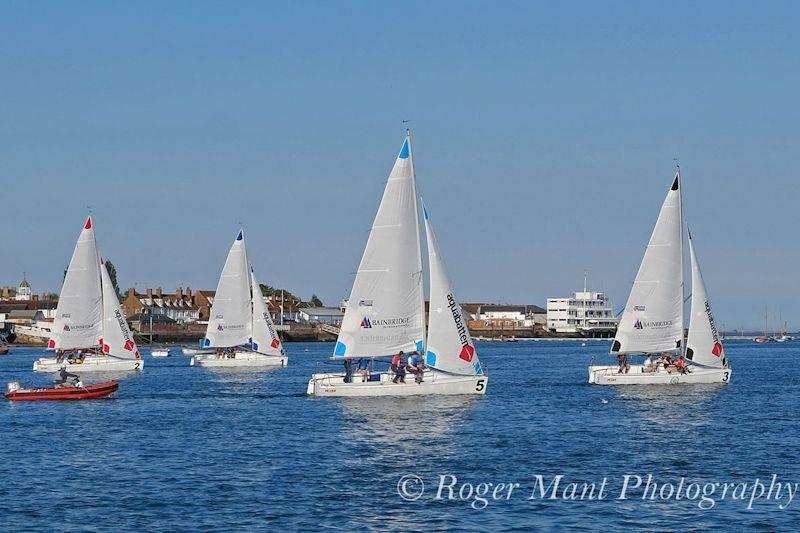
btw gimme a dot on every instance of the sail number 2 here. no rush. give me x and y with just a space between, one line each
480 385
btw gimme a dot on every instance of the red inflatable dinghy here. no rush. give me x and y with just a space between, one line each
64 393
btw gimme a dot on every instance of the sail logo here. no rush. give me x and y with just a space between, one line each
660 324
66 327
365 303
638 308
231 327
467 350
717 350
385 322
123 326
275 343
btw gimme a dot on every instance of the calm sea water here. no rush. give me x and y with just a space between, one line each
182 448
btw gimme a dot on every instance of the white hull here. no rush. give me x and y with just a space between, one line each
196 351
159 353
92 363
242 360
433 383
608 375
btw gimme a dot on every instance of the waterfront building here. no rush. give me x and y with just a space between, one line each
587 313
331 316
20 293
180 307
24 290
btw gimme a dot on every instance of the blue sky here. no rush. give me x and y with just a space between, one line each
544 140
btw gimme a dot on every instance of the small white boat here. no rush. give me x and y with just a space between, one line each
89 333
160 352
196 351
385 313
240 333
653 319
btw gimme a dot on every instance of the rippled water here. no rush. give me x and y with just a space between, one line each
182 448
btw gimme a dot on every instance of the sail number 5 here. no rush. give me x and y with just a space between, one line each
480 385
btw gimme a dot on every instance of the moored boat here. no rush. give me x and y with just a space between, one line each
101 390
385 313
160 352
89 332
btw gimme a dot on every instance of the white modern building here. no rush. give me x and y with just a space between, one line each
588 313
331 316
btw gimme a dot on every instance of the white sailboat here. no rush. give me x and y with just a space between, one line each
385 313
89 333
240 329
653 319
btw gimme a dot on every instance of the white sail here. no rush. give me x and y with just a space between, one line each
230 321
265 339
703 345
78 322
386 311
653 317
449 345
117 339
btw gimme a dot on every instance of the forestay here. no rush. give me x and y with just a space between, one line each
265 339
653 317
385 312
449 345
78 322
117 338
230 321
703 345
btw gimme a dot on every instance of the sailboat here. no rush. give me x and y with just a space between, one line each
89 332
385 313
240 330
767 337
653 319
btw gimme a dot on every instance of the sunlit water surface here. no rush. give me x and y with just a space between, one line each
182 448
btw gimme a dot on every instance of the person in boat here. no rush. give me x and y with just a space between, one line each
682 366
348 370
398 368
363 368
620 363
59 356
63 376
220 353
649 365
669 363
414 366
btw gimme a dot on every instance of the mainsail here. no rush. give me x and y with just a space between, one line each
653 317
703 345
230 321
265 339
78 321
449 346
386 311
117 338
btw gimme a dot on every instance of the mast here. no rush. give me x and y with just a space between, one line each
683 285
419 243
